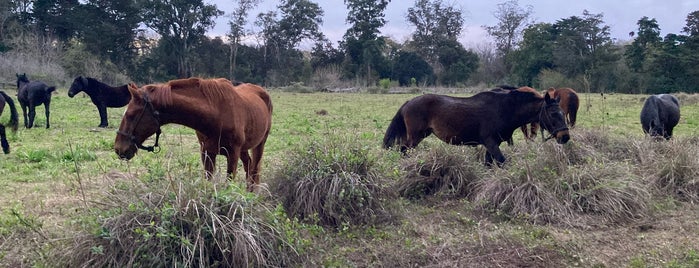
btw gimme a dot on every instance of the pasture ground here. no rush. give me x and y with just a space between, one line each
53 176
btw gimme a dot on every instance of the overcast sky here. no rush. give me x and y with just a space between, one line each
620 15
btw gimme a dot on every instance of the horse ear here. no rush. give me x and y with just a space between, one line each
133 89
547 98
551 91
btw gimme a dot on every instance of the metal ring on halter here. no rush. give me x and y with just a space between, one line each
132 138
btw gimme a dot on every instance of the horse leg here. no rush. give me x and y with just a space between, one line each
493 152
209 161
47 105
232 167
24 113
3 140
534 129
32 115
247 165
525 131
255 165
102 109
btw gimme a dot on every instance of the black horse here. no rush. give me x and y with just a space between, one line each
101 94
32 94
5 99
487 118
660 114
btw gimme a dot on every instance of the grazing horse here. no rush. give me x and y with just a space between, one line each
101 94
30 95
660 114
487 118
14 118
569 102
229 120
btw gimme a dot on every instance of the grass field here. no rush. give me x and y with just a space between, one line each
53 176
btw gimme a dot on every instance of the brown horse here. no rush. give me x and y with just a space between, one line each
229 120
569 102
487 118
14 119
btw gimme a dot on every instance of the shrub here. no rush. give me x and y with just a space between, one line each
331 182
187 223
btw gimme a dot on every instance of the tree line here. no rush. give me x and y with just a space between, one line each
158 40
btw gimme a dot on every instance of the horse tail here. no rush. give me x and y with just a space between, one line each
573 105
50 89
396 131
14 116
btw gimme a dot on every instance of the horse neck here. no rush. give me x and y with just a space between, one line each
181 111
94 86
529 112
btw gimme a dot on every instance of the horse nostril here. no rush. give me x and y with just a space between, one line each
564 139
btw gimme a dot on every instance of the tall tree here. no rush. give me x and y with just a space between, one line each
237 29
648 36
362 42
56 18
109 29
534 54
435 24
181 22
584 48
512 20
300 20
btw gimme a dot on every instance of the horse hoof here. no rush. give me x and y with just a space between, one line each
259 189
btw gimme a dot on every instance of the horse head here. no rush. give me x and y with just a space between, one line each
551 118
79 84
140 121
21 80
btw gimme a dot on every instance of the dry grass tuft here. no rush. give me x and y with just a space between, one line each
333 183
687 99
189 223
441 170
676 170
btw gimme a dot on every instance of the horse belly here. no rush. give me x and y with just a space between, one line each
455 137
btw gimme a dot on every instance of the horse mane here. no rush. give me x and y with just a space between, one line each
159 93
214 90
531 90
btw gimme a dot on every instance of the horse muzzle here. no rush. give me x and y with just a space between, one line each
562 136
126 154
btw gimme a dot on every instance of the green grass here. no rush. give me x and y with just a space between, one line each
50 171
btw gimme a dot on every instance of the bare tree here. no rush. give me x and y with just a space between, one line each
512 20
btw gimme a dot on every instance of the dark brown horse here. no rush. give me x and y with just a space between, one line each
14 118
487 118
569 102
30 95
101 94
229 120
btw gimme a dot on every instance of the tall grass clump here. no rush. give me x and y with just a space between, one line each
332 182
540 185
442 169
675 171
180 223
